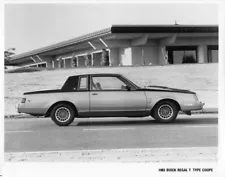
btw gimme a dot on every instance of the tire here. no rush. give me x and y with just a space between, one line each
165 111
63 114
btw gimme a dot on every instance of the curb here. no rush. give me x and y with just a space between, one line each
192 154
20 116
204 111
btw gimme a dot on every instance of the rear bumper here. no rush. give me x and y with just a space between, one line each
18 108
22 108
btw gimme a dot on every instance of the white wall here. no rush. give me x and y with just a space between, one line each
125 56
114 56
145 55
137 56
150 55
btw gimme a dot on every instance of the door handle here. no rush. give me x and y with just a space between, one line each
94 94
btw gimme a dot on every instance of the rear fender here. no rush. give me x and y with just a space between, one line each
48 112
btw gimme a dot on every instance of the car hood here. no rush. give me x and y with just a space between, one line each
43 91
165 89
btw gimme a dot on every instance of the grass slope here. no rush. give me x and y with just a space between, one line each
202 78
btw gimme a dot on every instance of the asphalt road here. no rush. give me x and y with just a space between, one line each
41 134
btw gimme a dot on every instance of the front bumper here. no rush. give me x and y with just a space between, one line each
191 107
202 105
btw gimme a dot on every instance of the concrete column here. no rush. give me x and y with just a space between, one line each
59 62
77 61
92 59
108 58
71 62
53 64
142 56
162 56
202 54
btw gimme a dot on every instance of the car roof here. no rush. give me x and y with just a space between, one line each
97 74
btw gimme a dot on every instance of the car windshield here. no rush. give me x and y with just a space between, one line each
135 81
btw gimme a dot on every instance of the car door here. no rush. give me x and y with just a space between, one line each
78 94
109 96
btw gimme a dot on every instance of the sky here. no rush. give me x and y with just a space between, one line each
31 26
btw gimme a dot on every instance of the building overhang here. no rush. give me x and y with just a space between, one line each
64 43
164 29
121 36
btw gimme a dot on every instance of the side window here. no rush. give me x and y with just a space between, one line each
83 83
107 83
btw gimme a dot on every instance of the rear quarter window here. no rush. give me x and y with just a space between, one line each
83 83
70 84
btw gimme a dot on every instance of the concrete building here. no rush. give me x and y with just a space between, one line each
126 45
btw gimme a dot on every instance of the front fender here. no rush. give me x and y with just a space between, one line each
153 99
164 98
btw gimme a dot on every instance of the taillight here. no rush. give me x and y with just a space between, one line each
23 100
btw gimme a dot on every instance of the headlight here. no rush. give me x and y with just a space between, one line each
195 97
23 100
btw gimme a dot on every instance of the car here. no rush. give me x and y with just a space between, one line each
108 95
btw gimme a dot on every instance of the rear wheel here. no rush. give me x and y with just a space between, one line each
165 111
63 114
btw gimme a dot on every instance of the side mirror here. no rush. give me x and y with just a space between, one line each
128 88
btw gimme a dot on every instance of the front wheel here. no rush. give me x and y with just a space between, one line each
62 114
165 111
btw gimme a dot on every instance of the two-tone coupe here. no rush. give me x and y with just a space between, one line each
108 95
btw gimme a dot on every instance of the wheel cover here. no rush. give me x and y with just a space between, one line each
62 114
165 111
